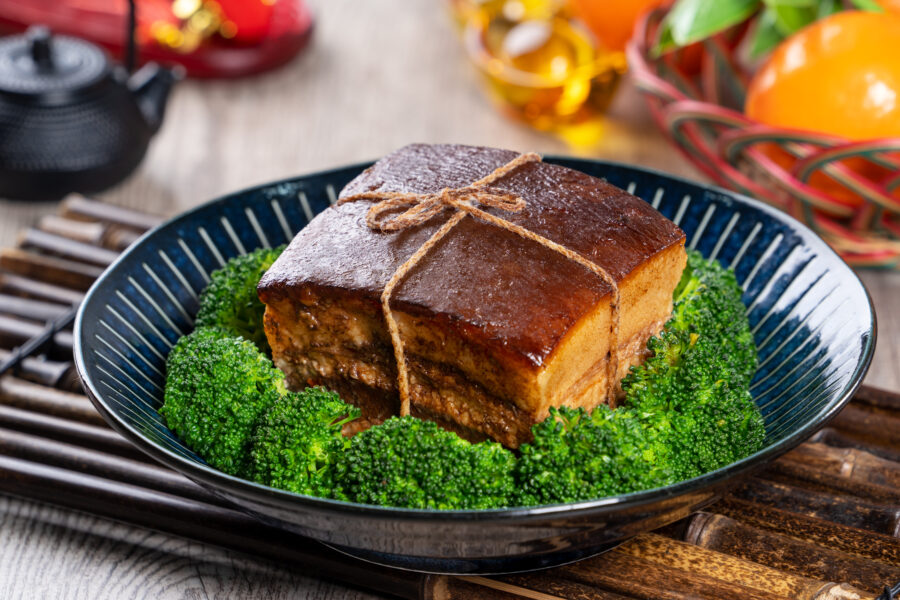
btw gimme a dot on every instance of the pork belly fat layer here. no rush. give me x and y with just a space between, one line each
496 328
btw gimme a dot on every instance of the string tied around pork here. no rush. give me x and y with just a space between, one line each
396 211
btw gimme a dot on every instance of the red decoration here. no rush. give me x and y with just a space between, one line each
210 38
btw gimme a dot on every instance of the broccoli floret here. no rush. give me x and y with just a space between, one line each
412 463
693 389
230 300
217 387
298 442
577 455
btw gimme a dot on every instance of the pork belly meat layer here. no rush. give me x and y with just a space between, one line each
496 328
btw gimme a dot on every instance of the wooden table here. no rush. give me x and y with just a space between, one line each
378 75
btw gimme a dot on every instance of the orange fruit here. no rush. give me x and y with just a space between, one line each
612 21
838 76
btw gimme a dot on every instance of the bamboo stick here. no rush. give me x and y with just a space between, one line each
79 207
72 432
51 269
636 576
31 288
868 426
24 394
111 236
89 232
66 247
833 437
548 582
483 588
783 554
14 331
76 458
844 469
30 308
846 510
884 547
700 559
49 373
119 238
878 398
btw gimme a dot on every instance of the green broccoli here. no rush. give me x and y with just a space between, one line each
217 387
298 442
693 390
413 463
577 455
687 410
230 300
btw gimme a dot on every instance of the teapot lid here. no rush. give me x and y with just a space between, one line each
39 64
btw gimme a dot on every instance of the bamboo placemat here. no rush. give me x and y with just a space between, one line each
822 522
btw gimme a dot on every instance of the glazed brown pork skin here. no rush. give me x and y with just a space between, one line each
496 328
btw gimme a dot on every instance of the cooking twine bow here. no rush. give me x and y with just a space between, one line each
383 216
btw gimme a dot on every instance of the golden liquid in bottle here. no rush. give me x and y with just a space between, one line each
547 71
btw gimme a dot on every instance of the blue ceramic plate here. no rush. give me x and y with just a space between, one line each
811 316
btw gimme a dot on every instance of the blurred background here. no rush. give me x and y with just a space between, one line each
375 76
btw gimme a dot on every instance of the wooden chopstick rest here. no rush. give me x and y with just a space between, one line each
694 556
878 398
641 576
89 232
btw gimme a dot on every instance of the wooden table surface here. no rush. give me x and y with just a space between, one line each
377 75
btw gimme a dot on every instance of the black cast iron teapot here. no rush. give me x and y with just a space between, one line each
70 120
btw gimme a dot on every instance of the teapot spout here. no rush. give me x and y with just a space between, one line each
151 86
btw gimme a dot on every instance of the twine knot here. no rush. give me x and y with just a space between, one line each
415 208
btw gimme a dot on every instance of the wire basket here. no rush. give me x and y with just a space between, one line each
848 192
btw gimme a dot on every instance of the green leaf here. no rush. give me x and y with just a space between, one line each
765 35
828 7
871 5
690 21
797 3
789 19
